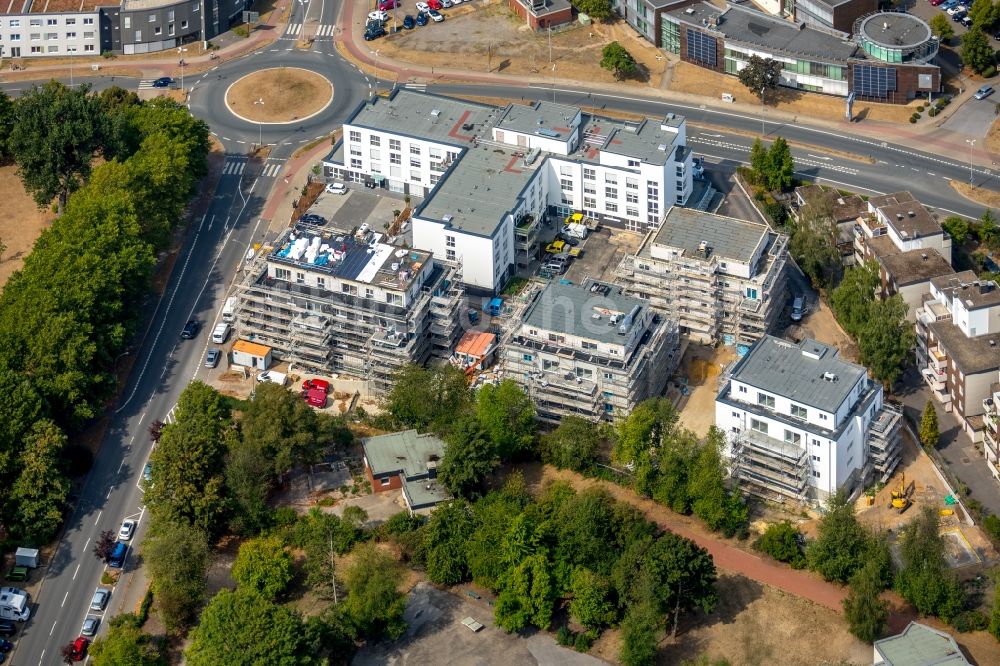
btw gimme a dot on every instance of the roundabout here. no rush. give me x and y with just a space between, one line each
279 95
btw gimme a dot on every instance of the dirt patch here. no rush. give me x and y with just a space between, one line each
698 384
820 324
21 223
288 93
494 39
978 194
689 78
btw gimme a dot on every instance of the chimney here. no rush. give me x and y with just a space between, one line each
912 214
899 216
924 256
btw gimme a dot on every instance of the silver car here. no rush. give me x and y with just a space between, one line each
90 626
100 600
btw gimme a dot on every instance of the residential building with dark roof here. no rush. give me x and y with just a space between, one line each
991 428
958 345
721 278
802 423
844 210
591 351
489 177
406 461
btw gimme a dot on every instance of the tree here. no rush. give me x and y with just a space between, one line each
492 517
957 227
572 445
67 653
445 537
468 458
242 628
41 488
646 429
104 545
527 596
176 556
282 428
814 242
994 626
781 167
248 478
590 605
923 578
841 542
781 541
851 300
941 27
56 132
263 565
508 416
125 645
598 9
6 123
976 50
761 75
986 229
681 574
929 433
984 13
323 536
374 604
887 340
429 398
713 502
759 162
638 632
620 62
865 610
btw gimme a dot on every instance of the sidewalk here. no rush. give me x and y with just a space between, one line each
288 186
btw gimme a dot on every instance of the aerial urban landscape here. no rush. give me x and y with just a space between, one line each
673 341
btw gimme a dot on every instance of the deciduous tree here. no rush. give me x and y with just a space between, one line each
782 542
941 27
983 13
619 61
865 610
508 416
590 605
445 537
841 542
638 632
374 604
929 433
41 488
176 556
469 457
429 398
598 9
125 645
264 565
104 545
976 50
527 596
760 75
814 242
957 227
781 166
923 578
759 162
572 445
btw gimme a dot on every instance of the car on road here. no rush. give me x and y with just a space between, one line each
408 22
378 15
18 574
374 31
5 645
336 188
147 472
163 82
212 357
435 15
421 19
79 650
127 529
7 628
100 600
90 625
422 7
984 92
190 329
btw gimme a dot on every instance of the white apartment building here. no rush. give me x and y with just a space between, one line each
52 34
802 423
590 351
991 429
484 171
958 345
720 278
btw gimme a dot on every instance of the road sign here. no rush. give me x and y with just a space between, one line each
250 17
850 106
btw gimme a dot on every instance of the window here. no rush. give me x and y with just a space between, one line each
588 345
156 30
35 22
348 289
375 140
374 153
355 151
36 49
321 283
816 473
355 163
816 458
758 426
385 482
611 178
414 149
589 174
415 176
527 357
127 22
584 373
51 35
589 189
633 164
449 254
815 442
415 162
566 184
631 197
71 21
282 274
435 178
15 23
53 49
609 375
300 278
88 21
395 158
434 153
589 202
394 144
743 389
393 299
631 212
823 417
799 411
611 192
611 207
152 18
51 21
354 136
765 400
793 437
184 25
369 293
15 38
70 35
170 28
701 48
549 365
449 241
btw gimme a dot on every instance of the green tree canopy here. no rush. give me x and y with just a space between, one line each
590 605
984 13
639 435
618 61
760 75
924 579
469 457
41 488
841 544
573 444
445 539
713 502
759 162
527 596
781 167
429 398
957 227
814 242
638 632
264 565
492 518
323 536
176 556
125 644
282 428
242 628
508 416
781 541
930 435
976 52
865 610
598 9
941 27
374 604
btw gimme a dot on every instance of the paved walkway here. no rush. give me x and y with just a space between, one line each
288 187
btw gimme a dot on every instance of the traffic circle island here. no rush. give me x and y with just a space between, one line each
279 95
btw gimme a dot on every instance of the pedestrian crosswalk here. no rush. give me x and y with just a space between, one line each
271 169
233 167
236 165
297 29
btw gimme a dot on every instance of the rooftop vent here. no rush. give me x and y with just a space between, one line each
540 121
829 377
447 219
923 256
662 147
435 112
899 216
885 25
704 249
911 213
689 11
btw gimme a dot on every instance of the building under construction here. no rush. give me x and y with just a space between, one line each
590 351
345 302
721 278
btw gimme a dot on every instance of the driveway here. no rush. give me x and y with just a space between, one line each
973 118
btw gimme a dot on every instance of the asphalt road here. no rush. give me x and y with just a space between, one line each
217 243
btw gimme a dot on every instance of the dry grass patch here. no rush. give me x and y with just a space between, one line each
993 137
21 223
980 195
289 93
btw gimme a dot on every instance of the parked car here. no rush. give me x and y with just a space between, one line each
100 599
163 82
79 650
7 628
445 4
936 2
422 7
569 240
456 2
313 219
147 472
5 645
798 307
967 22
435 15
388 5
948 4
984 92
90 625
337 188
434 4
954 9
421 19
212 357
378 15
18 574
118 554
554 267
997 36
408 22
958 16
374 31
310 384
190 329
127 529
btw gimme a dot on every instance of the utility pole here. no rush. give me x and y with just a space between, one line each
972 143
260 124
763 132
333 570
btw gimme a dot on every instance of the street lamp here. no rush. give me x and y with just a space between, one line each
375 53
260 124
971 142
763 132
182 51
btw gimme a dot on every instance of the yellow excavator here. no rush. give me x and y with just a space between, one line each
901 497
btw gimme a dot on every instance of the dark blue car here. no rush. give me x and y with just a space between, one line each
421 19
408 22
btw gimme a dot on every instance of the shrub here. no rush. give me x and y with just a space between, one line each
933 111
991 525
920 108
782 542
564 636
776 212
989 72
915 117
107 579
972 620
582 642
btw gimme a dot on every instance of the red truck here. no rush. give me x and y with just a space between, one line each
316 397
316 384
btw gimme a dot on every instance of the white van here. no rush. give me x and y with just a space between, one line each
229 309
797 306
221 333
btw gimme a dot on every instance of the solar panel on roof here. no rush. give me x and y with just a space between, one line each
874 81
701 47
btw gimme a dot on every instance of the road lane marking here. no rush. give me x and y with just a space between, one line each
53 627
110 490
141 418
86 544
96 520
65 596
41 657
76 572
120 465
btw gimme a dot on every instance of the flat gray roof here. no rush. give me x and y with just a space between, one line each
973 356
797 371
727 237
529 118
648 141
967 286
570 309
426 116
919 645
425 493
749 26
895 30
478 190
405 452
